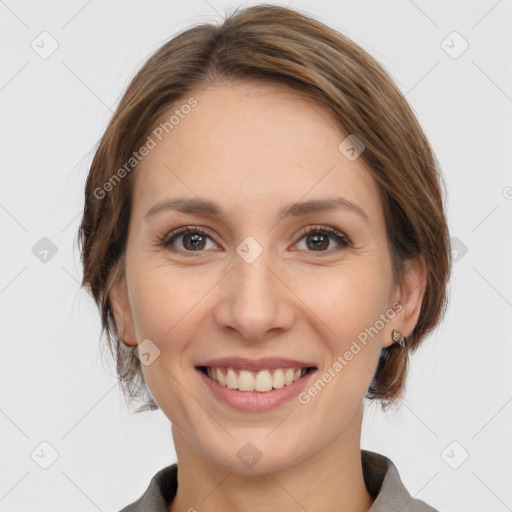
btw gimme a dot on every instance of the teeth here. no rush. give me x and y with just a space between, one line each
262 381
278 379
220 377
231 379
246 381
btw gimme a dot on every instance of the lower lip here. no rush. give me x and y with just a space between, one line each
255 401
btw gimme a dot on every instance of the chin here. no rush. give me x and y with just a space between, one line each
253 457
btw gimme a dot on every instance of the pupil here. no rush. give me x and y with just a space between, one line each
319 241
195 241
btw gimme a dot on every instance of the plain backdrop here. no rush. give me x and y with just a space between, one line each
60 405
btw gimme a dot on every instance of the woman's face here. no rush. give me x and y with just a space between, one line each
253 284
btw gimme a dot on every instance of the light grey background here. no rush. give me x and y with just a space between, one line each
54 387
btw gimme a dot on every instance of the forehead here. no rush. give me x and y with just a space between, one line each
244 144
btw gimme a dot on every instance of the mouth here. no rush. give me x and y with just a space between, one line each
260 381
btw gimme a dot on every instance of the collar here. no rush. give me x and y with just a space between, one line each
381 478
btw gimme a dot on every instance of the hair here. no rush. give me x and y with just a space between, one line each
280 45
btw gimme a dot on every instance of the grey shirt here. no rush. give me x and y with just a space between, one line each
380 475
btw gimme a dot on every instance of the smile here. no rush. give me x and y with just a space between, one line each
255 385
261 381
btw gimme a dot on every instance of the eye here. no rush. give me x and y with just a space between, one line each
318 238
192 239
195 239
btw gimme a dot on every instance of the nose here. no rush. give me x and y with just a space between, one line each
255 300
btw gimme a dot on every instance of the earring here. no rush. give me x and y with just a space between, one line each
398 338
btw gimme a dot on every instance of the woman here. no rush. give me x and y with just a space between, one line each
264 235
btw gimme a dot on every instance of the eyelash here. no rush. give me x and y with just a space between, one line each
340 238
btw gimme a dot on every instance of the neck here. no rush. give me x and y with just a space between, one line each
336 471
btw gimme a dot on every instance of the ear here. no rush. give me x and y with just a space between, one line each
121 308
409 294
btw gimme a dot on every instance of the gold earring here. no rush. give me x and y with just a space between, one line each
398 337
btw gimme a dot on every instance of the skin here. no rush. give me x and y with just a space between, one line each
252 148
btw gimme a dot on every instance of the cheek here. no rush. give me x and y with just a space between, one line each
166 306
346 300
166 303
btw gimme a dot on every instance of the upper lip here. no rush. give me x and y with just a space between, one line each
264 363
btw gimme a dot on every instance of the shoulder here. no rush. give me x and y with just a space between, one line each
160 492
385 485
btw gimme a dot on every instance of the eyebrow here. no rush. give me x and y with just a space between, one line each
205 207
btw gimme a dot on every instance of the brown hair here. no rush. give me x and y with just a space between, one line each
277 44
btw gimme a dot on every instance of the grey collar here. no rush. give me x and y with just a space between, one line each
380 475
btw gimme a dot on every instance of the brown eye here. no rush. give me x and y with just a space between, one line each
319 238
194 241
186 239
318 241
